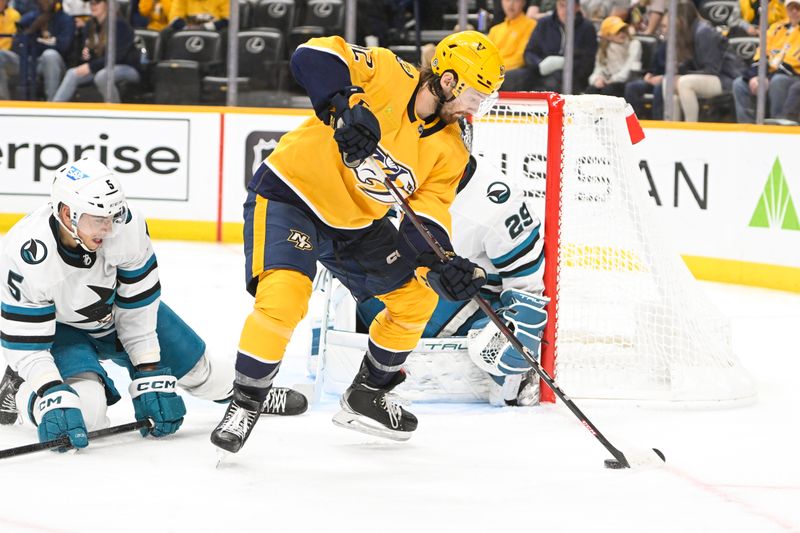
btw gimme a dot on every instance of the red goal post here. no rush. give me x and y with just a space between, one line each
626 319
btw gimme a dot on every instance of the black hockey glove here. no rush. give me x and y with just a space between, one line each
357 131
456 280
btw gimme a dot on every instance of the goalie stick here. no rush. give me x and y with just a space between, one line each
64 440
619 461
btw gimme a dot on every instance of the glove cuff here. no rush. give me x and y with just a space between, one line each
160 383
64 397
348 97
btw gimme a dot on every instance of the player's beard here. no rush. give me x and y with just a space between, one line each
449 113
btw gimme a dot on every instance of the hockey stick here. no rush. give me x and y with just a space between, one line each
64 440
619 461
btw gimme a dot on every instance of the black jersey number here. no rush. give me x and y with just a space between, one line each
14 280
518 221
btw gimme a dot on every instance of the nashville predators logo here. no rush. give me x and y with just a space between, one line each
301 240
372 184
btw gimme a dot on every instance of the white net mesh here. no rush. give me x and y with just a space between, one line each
631 322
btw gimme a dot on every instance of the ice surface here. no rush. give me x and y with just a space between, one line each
467 468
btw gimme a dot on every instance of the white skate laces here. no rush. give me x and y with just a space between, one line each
276 400
393 406
238 421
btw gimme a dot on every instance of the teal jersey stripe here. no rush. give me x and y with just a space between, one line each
30 311
139 271
527 271
26 346
139 303
510 256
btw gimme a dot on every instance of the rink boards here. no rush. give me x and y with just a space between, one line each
727 193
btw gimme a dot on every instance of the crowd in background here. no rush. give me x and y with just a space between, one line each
50 49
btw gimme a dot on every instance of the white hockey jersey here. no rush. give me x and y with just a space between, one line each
494 227
45 283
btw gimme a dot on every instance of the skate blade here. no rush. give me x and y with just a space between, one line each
362 424
221 456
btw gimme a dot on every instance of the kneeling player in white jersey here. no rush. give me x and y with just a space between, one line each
495 228
81 286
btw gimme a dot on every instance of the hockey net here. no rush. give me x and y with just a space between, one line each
627 319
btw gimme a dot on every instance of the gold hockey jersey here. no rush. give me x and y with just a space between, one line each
424 159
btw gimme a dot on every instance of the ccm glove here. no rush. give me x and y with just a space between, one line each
57 412
153 394
357 131
457 279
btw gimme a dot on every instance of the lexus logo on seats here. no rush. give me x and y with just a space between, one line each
255 45
323 10
194 44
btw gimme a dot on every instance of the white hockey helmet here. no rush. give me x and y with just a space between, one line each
94 197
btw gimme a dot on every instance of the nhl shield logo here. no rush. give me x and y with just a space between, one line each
33 252
301 240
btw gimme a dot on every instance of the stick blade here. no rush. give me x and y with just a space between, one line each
638 459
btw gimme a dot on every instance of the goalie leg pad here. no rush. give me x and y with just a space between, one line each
491 351
209 380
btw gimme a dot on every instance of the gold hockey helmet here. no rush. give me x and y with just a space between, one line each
475 60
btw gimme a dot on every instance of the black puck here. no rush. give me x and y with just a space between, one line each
614 464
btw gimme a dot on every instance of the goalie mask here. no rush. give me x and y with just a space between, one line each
95 199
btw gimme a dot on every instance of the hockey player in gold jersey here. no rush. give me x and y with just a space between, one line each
312 200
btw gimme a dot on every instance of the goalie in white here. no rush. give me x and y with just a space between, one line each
494 227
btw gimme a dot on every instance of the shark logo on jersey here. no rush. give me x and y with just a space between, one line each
33 252
100 310
372 185
498 192
301 240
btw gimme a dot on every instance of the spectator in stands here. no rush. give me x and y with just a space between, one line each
156 13
599 10
53 32
94 57
705 68
791 107
512 35
376 18
544 54
538 9
745 19
783 45
24 6
199 14
9 62
650 15
618 57
651 83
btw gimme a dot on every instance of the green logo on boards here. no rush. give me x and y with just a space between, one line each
775 208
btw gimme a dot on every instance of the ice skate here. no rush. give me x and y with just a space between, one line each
283 401
374 410
8 390
235 427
